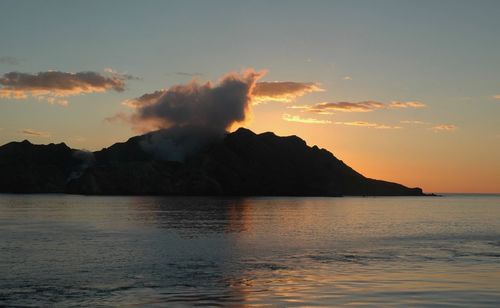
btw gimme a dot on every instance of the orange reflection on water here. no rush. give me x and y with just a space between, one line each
238 213
325 285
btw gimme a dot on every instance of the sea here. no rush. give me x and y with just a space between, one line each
88 251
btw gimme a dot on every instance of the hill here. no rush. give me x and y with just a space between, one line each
241 163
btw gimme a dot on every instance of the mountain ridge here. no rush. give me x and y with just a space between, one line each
242 163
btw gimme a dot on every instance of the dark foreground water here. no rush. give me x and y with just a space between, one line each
61 251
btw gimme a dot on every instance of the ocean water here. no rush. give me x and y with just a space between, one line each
80 251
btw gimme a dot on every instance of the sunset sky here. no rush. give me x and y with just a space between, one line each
405 91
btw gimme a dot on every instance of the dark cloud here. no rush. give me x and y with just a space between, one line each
283 91
54 84
184 117
187 116
211 106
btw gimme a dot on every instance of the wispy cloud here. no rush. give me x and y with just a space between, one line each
347 78
364 106
310 108
9 60
125 118
410 104
496 96
145 99
52 85
79 138
416 122
282 91
35 133
292 118
188 74
119 75
431 126
444 128
368 125
110 70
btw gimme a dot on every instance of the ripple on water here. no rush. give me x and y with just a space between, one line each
155 252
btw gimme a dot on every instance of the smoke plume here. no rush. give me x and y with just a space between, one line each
86 160
186 117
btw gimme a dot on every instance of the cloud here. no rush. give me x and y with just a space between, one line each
189 115
414 122
411 104
79 138
347 78
290 118
258 92
110 70
431 126
36 133
383 126
444 128
496 96
309 108
282 91
9 60
122 76
368 125
52 85
144 100
212 106
125 118
364 106
188 74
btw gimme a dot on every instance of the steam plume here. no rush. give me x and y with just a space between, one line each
188 116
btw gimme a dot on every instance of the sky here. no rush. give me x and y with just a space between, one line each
405 91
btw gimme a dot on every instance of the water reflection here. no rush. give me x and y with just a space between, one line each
156 251
194 215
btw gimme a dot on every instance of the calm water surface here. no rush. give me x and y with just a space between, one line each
58 250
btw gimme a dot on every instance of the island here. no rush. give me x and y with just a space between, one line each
240 163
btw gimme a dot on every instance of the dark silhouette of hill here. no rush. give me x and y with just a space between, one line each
242 163
29 168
